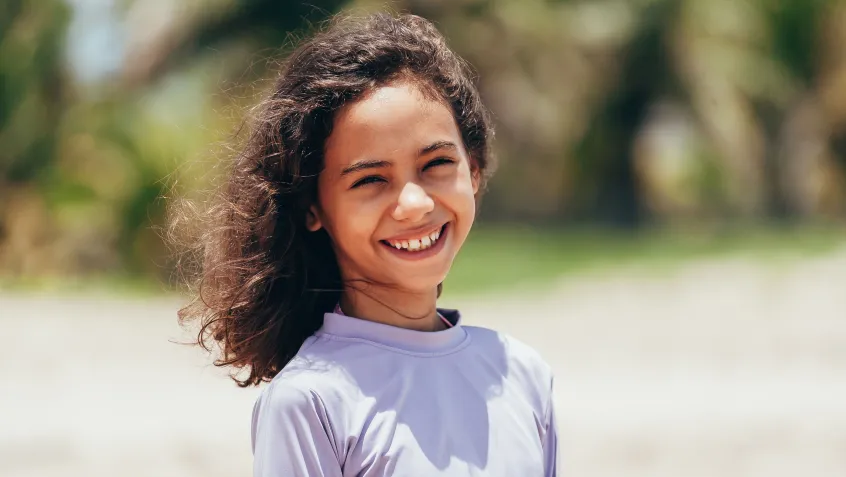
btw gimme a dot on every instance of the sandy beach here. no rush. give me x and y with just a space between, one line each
724 367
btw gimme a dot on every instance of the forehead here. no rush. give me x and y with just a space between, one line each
390 120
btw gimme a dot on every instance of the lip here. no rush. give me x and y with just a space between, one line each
421 255
415 233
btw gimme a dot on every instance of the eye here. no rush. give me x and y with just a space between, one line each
367 180
438 162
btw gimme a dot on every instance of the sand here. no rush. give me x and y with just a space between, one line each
727 367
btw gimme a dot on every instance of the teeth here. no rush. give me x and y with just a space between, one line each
417 244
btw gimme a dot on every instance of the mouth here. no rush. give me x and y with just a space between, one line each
420 247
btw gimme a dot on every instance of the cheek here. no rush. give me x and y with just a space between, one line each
351 224
469 208
465 193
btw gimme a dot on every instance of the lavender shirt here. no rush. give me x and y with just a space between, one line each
366 399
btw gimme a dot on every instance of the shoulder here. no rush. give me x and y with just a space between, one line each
520 356
310 379
299 395
525 365
293 411
289 393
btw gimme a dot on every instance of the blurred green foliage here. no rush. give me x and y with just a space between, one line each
623 114
497 257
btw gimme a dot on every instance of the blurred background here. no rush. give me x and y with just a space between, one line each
666 225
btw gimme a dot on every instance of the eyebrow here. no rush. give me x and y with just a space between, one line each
437 145
364 165
378 164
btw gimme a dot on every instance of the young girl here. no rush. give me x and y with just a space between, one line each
336 226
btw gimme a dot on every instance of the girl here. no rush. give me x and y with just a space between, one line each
336 226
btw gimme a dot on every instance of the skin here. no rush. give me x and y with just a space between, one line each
394 167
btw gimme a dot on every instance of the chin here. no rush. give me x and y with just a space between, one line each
419 284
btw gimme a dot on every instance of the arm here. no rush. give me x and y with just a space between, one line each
290 435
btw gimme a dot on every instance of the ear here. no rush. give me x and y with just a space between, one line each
475 179
313 221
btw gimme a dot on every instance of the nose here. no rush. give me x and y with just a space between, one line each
413 203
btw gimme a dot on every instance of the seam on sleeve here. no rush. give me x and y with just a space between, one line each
326 421
548 407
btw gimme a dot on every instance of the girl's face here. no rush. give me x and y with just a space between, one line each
397 192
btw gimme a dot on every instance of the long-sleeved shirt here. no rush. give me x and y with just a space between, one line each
367 399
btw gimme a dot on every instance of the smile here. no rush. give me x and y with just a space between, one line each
419 244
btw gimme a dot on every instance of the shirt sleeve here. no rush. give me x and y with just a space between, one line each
291 435
550 442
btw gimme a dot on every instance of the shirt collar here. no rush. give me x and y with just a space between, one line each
336 324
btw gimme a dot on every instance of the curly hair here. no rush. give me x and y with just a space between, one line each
264 281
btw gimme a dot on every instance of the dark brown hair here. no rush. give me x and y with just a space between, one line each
264 281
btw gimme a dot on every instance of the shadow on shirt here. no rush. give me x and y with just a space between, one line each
401 407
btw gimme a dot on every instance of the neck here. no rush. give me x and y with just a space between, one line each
410 310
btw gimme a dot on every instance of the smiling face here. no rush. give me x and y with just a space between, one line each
397 192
